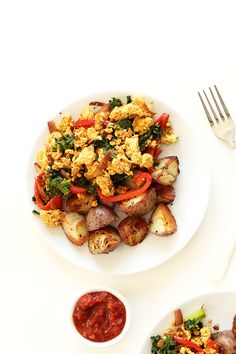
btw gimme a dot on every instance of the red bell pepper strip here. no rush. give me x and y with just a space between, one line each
162 120
132 193
77 190
54 203
211 344
187 343
89 122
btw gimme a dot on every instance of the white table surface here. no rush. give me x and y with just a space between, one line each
54 52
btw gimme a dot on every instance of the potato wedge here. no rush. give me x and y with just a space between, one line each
167 170
103 240
133 230
99 217
165 194
75 228
80 203
139 205
162 222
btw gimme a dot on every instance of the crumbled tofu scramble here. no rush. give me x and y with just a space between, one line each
106 141
188 338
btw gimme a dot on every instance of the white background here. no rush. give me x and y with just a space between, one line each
52 53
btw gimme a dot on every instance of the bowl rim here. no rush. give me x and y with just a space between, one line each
119 296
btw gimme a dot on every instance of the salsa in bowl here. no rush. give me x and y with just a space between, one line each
101 316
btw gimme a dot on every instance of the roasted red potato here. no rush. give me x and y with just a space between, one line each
165 194
167 170
99 217
75 228
103 240
226 341
133 230
139 205
80 203
162 222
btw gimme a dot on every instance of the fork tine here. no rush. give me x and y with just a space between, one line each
206 111
222 102
214 113
217 106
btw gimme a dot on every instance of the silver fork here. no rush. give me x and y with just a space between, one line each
223 127
222 124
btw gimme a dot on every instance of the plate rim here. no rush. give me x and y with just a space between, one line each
181 304
203 210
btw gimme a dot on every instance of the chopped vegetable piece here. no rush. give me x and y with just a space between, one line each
190 325
77 190
129 99
58 185
197 315
102 143
178 317
65 142
89 122
187 343
97 103
35 212
54 203
154 131
114 102
162 120
212 345
125 124
52 126
132 193
118 179
167 346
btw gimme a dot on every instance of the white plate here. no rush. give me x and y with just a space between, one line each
220 307
188 208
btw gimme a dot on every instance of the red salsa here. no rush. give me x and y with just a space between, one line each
99 316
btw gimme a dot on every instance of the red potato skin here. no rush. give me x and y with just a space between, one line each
133 230
167 171
99 217
165 194
139 205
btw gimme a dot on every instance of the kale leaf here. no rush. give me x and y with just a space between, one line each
129 99
65 142
92 188
107 145
125 124
58 186
102 143
114 102
168 346
84 182
192 325
98 143
118 179
35 212
154 132
155 163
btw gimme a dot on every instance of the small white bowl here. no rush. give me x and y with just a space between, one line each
127 322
